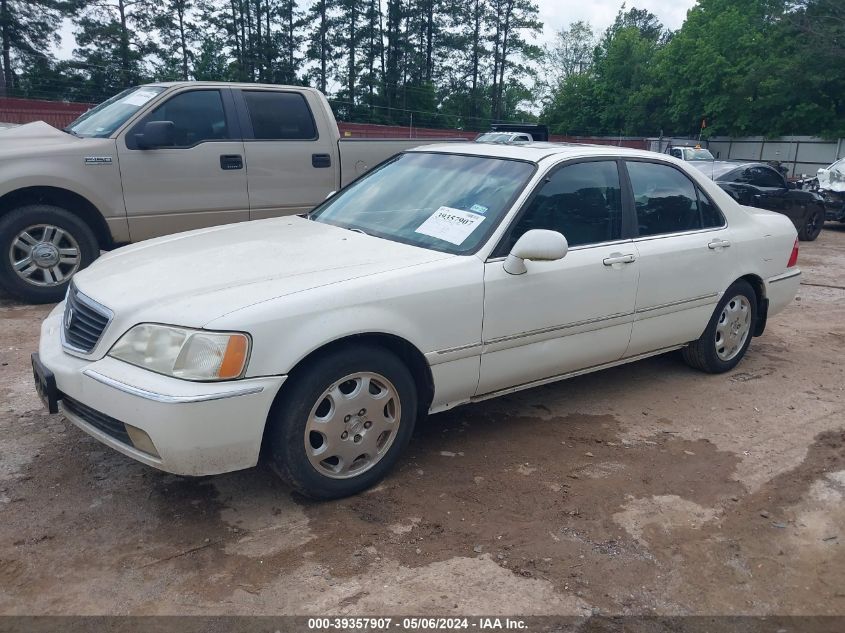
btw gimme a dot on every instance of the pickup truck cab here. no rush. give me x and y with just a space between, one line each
160 159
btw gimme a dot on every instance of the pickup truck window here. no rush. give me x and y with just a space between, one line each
279 116
102 121
445 202
198 116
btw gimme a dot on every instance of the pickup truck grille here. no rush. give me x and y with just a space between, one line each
84 321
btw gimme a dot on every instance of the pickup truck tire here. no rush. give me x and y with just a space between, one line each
41 247
342 421
812 225
728 334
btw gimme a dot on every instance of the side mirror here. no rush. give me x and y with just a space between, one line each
536 245
157 134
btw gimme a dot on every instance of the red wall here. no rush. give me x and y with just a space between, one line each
59 114
56 113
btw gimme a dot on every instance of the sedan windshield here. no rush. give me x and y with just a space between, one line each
445 202
103 120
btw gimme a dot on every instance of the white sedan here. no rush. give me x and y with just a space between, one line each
448 275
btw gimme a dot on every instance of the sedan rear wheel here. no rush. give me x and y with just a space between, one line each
733 328
728 334
341 421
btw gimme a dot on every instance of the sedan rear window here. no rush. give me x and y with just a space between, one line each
445 202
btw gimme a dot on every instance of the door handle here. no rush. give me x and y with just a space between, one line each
718 244
321 160
619 258
231 161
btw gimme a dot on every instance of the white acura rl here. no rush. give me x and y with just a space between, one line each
448 275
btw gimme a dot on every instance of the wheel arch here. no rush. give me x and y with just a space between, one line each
64 198
758 285
406 351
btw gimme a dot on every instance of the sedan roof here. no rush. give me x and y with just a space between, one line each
535 152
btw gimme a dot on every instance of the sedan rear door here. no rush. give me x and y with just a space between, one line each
685 255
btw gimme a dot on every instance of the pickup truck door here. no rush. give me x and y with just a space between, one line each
197 182
292 162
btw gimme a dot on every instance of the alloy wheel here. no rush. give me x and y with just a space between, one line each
44 255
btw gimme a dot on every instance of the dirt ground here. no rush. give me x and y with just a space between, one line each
645 489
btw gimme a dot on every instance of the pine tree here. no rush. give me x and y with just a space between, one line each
27 30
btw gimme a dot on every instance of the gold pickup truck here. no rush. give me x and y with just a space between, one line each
164 158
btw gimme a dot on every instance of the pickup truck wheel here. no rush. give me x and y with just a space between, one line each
812 226
728 335
41 247
342 422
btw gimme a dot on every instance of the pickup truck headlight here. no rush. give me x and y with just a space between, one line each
184 353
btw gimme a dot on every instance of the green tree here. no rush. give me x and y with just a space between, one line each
27 30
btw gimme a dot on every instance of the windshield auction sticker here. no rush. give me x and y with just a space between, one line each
450 225
140 97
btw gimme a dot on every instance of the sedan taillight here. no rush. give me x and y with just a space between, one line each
793 258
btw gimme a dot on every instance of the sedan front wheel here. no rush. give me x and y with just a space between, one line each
342 421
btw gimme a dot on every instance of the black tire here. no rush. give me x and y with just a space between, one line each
812 225
302 393
19 220
702 354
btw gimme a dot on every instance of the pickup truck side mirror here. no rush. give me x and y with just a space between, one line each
536 245
157 134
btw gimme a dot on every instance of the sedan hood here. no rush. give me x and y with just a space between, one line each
193 278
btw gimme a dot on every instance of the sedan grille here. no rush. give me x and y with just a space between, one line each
100 421
84 321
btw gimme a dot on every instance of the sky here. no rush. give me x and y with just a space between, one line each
555 15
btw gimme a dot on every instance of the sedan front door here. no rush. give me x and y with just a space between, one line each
566 315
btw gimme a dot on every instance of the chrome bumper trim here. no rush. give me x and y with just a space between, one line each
160 397
785 276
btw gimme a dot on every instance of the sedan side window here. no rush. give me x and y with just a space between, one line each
197 115
582 201
711 217
666 200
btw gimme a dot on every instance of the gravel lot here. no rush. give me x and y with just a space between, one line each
645 489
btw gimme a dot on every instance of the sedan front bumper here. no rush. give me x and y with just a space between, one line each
182 427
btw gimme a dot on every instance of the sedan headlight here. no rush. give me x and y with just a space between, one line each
184 353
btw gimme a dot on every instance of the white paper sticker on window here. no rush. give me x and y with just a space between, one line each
139 97
450 225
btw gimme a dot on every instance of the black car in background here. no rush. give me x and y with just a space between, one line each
759 185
